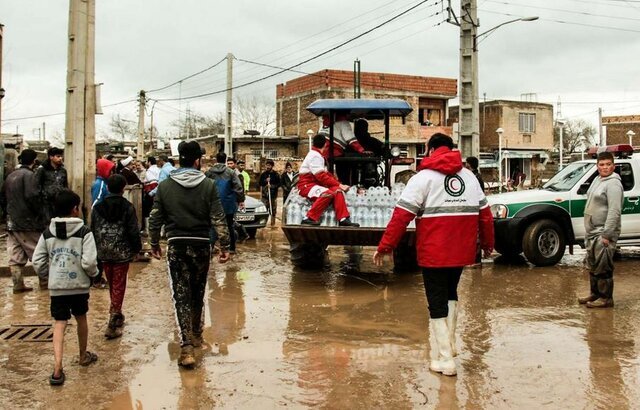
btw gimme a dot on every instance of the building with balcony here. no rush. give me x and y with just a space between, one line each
429 97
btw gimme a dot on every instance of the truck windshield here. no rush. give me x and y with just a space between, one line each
568 177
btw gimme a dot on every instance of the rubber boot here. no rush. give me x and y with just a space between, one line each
444 364
119 319
605 289
17 274
593 295
452 320
187 359
112 331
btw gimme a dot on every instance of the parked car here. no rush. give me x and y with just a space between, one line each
253 217
542 222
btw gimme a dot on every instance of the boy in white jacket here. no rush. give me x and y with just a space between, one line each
66 254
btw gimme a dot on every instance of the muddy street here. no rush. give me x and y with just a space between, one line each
276 337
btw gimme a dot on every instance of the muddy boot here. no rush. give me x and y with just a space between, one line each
119 319
594 291
452 319
17 275
197 340
112 331
444 363
187 359
605 289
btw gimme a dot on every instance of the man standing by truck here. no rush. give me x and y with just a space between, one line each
602 215
450 209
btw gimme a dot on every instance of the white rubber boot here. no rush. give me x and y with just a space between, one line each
452 320
444 364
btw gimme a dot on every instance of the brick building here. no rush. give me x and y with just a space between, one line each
428 96
526 141
618 126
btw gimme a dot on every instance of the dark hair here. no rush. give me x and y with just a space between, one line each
163 158
288 164
438 140
603 156
240 162
172 162
27 156
109 157
189 152
116 184
151 160
270 162
65 201
319 140
53 151
473 162
221 157
231 159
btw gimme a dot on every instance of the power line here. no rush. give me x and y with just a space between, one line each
304 61
60 113
583 13
188 77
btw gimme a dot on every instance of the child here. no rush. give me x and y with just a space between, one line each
117 234
66 253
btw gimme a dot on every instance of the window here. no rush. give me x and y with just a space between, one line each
626 175
527 122
268 153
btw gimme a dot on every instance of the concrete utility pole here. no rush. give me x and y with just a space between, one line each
141 104
80 129
603 138
1 97
228 126
469 105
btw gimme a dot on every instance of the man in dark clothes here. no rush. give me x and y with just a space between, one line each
472 164
128 171
289 180
187 203
50 179
269 184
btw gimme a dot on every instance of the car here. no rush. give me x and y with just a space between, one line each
541 222
253 217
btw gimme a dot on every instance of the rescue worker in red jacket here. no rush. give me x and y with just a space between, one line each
321 187
450 209
344 141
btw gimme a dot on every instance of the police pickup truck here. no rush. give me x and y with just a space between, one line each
541 223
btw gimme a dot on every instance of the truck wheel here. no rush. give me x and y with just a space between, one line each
252 232
308 255
405 259
544 243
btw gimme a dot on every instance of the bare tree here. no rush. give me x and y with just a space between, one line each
122 127
255 113
574 134
196 124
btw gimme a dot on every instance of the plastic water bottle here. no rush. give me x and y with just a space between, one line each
293 213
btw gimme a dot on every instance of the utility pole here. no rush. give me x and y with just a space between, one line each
1 97
228 143
356 79
44 129
469 126
142 100
80 128
603 138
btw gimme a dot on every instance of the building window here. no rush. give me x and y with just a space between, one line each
268 153
527 122
430 117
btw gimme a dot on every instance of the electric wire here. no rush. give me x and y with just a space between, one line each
582 13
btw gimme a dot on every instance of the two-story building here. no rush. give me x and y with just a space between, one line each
429 97
527 137
618 127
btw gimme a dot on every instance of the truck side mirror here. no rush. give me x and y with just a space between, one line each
583 188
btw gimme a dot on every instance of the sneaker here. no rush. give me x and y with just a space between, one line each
309 221
590 298
22 289
600 303
347 222
187 359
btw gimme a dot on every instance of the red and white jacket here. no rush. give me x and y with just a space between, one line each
313 175
343 137
450 209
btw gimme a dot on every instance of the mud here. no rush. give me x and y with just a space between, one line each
341 338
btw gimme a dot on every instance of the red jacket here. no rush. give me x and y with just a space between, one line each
450 210
313 172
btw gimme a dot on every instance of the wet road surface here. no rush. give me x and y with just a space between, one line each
281 337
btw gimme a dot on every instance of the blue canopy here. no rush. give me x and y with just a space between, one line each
370 109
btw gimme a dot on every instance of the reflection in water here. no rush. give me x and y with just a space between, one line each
226 310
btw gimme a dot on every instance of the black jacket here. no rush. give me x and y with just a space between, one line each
187 203
50 181
288 184
274 182
24 207
115 228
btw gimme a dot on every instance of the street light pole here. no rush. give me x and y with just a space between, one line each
630 134
310 135
500 131
561 123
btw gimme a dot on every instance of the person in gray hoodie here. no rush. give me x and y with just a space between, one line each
66 255
602 215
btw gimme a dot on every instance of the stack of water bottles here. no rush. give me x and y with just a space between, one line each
371 208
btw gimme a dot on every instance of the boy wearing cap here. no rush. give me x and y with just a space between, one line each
187 223
51 178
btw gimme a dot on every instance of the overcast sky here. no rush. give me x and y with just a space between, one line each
585 52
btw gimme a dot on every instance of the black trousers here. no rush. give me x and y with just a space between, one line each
188 268
441 286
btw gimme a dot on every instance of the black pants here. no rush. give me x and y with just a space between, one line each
441 286
188 268
213 235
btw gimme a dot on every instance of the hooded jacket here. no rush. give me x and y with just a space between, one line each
115 228
229 187
99 190
450 208
602 213
187 203
66 254
20 194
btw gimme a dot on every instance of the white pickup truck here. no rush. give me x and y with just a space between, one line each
542 222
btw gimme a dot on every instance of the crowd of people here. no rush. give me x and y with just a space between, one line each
196 209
